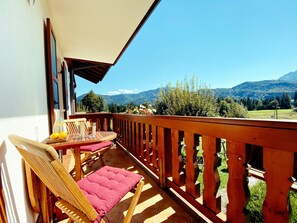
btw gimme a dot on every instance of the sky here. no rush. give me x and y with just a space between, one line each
221 42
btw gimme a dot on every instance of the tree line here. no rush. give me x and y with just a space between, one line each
283 102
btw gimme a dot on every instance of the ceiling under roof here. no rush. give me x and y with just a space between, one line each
91 71
93 34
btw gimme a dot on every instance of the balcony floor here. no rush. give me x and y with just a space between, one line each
154 206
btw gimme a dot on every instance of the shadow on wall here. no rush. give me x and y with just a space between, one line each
31 2
8 208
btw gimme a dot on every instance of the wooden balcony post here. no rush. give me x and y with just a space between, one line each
237 187
278 165
211 178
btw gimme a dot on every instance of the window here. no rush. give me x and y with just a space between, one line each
51 74
65 88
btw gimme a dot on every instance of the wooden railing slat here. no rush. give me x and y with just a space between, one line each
147 143
161 154
211 178
137 139
176 176
192 169
154 149
279 169
141 141
238 183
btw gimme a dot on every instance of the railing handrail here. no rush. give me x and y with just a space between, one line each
282 133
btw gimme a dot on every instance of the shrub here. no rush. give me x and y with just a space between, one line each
186 98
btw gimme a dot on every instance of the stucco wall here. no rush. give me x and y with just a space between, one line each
23 99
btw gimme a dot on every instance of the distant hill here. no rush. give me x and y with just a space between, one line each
256 89
291 77
145 96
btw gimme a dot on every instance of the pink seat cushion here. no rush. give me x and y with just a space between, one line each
106 187
96 146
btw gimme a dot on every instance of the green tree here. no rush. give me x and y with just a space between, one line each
232 109
186 98
259 104
117 108
285 101
224 108
295 99
94 103
237 110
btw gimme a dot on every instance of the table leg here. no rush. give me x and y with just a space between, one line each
77 164
61 155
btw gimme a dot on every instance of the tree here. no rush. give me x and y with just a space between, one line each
224 108
285 101
237 110
115 108
94 103
259 104
232 109
295 99
186 98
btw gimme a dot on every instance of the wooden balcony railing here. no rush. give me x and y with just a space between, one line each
265 149
102 120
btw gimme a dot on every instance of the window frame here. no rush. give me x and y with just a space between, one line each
51 73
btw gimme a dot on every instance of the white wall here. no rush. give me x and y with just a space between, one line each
23 99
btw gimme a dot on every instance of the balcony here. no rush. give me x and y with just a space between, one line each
168 146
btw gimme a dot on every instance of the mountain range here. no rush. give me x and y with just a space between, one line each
252 89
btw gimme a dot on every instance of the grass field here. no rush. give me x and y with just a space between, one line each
287 114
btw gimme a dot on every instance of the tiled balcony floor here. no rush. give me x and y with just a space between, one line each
154 206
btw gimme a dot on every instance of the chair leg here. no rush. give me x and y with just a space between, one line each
133 203
101 160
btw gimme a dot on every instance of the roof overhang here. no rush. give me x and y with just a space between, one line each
94 34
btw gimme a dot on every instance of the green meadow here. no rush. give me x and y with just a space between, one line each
288 114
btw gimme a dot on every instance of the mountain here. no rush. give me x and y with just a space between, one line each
262 89
292 77
145 96
252 89
258 89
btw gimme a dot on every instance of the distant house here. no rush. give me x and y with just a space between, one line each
43 45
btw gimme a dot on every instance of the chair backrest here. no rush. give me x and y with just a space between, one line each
44 161
73 125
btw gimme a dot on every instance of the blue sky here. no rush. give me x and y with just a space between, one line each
222 42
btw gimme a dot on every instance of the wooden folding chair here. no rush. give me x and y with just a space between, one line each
87 200
91 152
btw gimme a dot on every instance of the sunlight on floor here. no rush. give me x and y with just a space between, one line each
154 206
